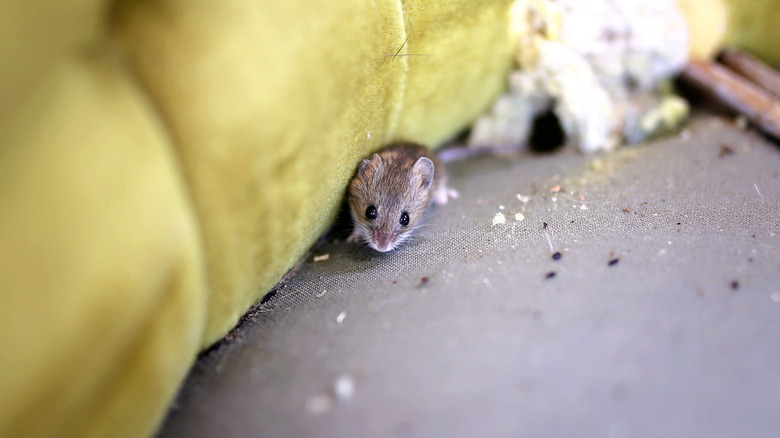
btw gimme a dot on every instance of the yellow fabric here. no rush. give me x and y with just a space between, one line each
754 26
751 25
164 163
269 120
707 24
103 298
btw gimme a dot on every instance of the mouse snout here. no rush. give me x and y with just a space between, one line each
384 241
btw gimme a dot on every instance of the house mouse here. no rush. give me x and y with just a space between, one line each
390 192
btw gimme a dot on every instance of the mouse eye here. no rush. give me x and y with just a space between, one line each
371 212
404 219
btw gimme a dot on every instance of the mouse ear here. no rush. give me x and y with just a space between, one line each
424 167
370 164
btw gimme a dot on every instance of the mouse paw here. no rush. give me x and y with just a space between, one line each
354 238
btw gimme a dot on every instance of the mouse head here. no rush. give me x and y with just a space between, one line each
388 198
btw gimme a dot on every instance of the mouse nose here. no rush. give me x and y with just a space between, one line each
383 241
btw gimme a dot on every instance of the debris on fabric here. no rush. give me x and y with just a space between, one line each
344 388
725 150
523 199
319 404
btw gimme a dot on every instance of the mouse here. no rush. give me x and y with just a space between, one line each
391 191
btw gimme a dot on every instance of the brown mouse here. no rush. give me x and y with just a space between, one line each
390 192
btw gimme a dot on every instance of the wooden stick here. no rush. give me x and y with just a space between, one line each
753 69
736 93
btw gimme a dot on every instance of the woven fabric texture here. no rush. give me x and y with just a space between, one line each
658 319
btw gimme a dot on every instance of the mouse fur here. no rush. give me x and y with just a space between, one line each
391 191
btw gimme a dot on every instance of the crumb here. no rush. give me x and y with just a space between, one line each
523 199
556 189
679 223
519 217
544 225
550 274
613 262
344 388
424 281
341 317
322 293
321 258
500 207
499 219
557 256
627 210
583 207
645 203
741 121
318 404
734 284
725 150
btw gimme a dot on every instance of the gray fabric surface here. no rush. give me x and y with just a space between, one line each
679 338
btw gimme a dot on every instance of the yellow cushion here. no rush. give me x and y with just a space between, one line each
103 293
165 163
271 104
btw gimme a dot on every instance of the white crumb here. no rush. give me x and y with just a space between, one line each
321 258
500 207
341 317
324 291
759 192
519 217
583 207
499 219
318 404
523 199
344 388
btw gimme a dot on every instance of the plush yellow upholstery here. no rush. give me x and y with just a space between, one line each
164 163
